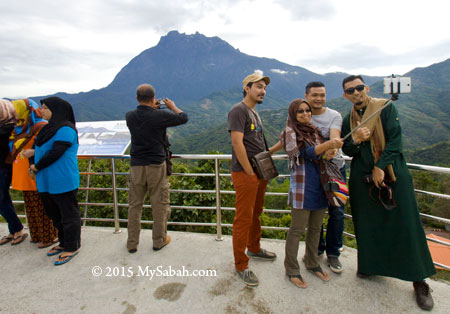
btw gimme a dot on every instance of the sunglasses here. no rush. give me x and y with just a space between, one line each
351 90
301 111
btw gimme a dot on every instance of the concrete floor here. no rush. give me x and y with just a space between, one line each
31 284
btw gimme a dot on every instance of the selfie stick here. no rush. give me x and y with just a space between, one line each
394 96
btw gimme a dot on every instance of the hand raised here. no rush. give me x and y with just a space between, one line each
361 135
335 143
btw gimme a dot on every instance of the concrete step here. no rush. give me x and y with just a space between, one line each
123 282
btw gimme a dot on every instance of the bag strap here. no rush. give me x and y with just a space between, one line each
254 113
34 129
391 204
166 146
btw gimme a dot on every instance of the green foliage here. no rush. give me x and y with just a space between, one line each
422 180
437 155
441 274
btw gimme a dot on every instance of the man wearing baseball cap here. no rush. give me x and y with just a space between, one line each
245 128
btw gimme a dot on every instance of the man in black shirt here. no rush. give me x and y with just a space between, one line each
148 127
245 128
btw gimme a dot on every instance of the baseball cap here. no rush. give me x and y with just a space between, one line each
255 77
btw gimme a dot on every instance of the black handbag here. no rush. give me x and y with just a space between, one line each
385 193
168 161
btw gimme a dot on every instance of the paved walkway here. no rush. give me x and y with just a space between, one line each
31 284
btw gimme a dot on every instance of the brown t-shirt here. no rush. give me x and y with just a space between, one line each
242 119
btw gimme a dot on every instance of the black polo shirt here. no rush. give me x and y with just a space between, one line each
148 128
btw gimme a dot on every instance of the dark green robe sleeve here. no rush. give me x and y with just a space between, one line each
349 148
393 136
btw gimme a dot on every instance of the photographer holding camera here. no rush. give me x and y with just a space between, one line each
149 161
389 233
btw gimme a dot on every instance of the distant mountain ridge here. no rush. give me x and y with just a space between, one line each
424 114
203 76
188 68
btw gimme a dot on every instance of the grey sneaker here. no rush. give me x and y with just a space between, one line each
335 264
248 277
263 254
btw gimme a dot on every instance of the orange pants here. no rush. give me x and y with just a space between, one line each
247 225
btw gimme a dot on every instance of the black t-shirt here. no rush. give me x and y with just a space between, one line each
242 119
148 129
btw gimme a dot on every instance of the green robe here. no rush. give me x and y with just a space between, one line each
390 243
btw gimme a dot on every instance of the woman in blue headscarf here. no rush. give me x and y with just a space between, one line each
57 175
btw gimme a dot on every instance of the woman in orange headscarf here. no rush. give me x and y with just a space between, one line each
28 125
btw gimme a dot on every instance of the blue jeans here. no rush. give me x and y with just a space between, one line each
6 206
333 239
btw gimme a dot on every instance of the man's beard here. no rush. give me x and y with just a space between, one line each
259 102
357 104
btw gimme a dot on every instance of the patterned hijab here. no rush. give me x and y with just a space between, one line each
62 115
7 112
297 135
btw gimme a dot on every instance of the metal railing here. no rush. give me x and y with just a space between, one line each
218 207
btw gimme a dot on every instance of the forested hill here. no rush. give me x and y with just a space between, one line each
424 113
436 155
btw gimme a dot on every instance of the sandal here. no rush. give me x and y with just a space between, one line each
318 272
43 245
299 284
55 250
64 259
6 239
19 239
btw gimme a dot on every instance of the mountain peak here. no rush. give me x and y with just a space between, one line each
175 39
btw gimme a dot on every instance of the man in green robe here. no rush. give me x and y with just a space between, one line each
391 242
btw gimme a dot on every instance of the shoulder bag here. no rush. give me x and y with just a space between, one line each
262 163
333 183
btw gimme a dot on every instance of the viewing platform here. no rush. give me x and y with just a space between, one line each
32 284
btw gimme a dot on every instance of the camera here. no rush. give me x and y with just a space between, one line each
161 104
397 85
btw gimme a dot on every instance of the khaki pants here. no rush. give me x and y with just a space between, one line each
300 219
152 179
249 203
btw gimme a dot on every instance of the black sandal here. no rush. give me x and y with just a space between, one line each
316 270
299 277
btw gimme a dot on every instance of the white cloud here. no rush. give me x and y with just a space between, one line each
278 71
74 46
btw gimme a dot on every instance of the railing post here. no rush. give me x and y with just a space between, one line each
116 207
219 236
86 199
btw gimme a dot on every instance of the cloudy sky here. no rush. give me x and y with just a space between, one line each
48 46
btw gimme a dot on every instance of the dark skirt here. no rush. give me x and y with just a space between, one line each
40 225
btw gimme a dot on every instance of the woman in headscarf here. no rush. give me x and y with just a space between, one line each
8 118
29 123
57 175
305 146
